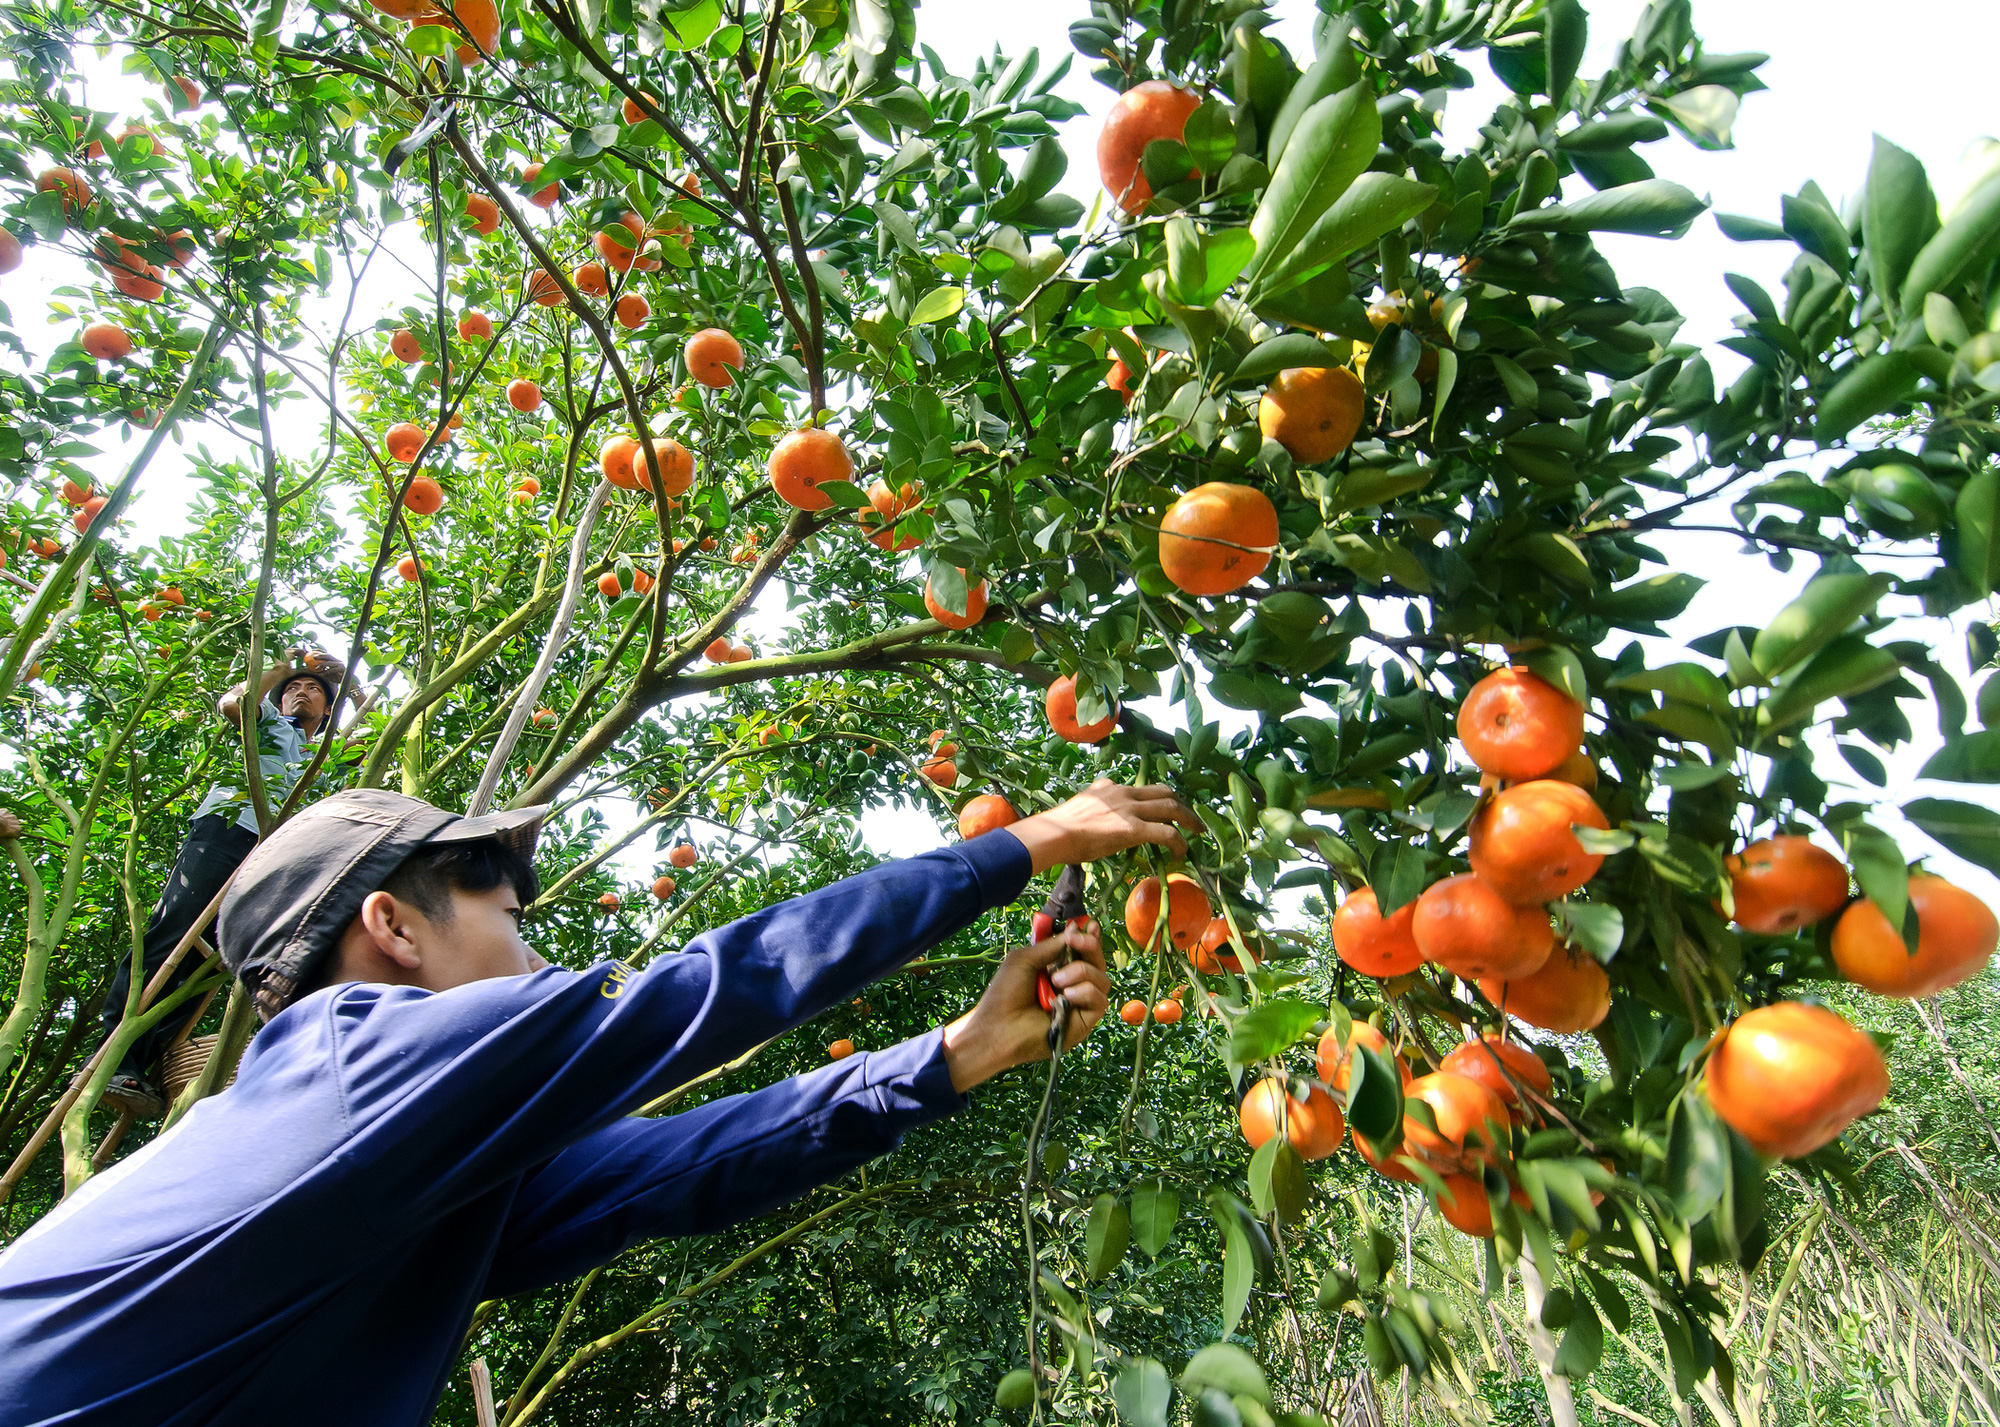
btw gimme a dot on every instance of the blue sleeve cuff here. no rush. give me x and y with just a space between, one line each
1001 863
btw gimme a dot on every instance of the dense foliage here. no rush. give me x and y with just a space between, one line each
1306 418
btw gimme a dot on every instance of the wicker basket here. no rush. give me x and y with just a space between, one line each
181 1065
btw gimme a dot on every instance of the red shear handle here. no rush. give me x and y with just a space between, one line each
1045 927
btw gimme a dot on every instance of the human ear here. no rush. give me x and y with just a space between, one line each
387 925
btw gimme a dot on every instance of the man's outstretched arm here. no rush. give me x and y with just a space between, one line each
738 1158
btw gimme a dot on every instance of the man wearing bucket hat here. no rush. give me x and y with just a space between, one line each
220 836
432 1116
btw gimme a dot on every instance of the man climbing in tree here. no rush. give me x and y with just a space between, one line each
432 1116
220 835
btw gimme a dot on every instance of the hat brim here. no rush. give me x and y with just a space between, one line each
516 829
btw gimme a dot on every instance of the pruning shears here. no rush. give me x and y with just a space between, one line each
1064 908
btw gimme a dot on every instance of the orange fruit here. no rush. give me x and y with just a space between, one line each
840 1049
676 465
1482 1060
642 581
403 441
1204 535
1314 1128
1463 1205
406 346
591 280
803 462
546 197
407 567
74 494
985 813
475 327
1333 1060
1143 113
1516 725
941 771
86 514
614 458
1168 1012
1188 911
1522 845
523 395
609 901
1790 1077
75 192
482 212
544 717
425 496
1579 768
743 653
609 586
1469 929
1059 703
1472 1124
1216 953
1569 992
107 341
975 606
1133 1013
631 310
713 359
1783 883
10 251
890 504
187 95
1956 935
1313 412
1372 944
480 19
1119 379
180 248
663 886
617 253
541 286
632 113
718 649
683 855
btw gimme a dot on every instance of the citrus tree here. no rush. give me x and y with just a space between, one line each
1337 450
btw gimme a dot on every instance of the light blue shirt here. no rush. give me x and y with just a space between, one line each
281 754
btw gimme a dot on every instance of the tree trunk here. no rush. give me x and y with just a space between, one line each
1562 1406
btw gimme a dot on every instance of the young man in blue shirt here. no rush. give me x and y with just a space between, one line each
432 1116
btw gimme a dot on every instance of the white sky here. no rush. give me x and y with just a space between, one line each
1841 69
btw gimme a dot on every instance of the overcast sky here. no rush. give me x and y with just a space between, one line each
1919 72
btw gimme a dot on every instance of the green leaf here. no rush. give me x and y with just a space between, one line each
1973 758
1705 113
1866 388
1155 1207
1334 70
848 495
1565 32
1374 1095
1977 555
937 304
1109 1231
1594 926
1961 247
1739 229
1879 868
1697 1169
1267 1029
1376 204
1041 169
1239 1276
1334 143
267 19
1826 608
1143 1392
1228 1369
1613 132
1647 601
1970 831
1210 136
1277 354
1653 207
1849 665
1690 683
1582 1345
1899 214
1610 1299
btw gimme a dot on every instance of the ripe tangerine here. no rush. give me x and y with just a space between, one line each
1518 726
1468 928
483 213
806 460
475 327
1956 936
1569 992
1789 1077
1143 113
1133 1013
631 309
1213 539
1373 944
1472 1124
1216 953
1783 883
714 357
107 341
1313 412
941 771
523 395
683 855
1485 1060
663 886
975 606
1333 1059
424 496
1314 1128
1522 845
403 440
985 813
1168 1012
840 1049
1059 703
1188 911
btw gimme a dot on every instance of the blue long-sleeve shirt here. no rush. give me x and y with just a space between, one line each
309 1247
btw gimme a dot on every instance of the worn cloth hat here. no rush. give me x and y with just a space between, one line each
299 888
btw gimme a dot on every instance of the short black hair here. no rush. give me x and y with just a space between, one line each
427 878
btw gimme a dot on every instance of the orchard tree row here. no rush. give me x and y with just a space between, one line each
1348 455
